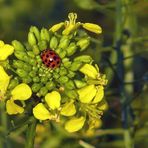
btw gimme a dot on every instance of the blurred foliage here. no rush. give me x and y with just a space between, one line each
121 51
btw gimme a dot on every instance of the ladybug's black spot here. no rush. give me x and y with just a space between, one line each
58 62
47 55
54 57
51 53
53 65
45 60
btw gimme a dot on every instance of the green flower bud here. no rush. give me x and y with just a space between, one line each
36 79
27 67
62 54
63 71
83 43
79 84
53 42
50 85
31 54
36 87
36 32
71 74
32 62
71 49
21 72
14 82
31 39
63 79
84 58
42 45
70 84
18 63
43 91
45 34
64 42
18 46
44 79
26 58
56 75
75 66
27 79
35 68
20 55
36 50
71 94
32 74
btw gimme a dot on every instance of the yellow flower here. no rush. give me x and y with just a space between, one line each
53 99
40 112
103 105
87 93
68 109
95 123
13 108
20 92
5 50
56 27
92 27
4 81
89 71
99 95
75 124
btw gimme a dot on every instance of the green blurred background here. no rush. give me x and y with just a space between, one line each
121 52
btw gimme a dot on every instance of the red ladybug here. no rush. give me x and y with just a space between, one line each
50 58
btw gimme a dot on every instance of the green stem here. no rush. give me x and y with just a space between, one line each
31 134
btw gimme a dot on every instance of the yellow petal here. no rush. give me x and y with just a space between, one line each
87 93
68 109
103 105
99 95
92 27
4 81
5 51
75 124
1 43
89 70
95 123
21 92
56 27
53 99
13 108
40 112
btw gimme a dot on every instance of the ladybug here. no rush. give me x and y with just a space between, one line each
50 58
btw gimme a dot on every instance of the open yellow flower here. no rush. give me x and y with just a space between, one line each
5 50
53 101
75 124
20 92
4 81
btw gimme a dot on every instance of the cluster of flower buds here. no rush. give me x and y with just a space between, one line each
49 74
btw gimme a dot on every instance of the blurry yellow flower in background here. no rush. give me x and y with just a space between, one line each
5 50
20 92
4 81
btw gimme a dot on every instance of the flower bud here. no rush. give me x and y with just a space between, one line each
20 55
64 42
40 112
63 79
22 73
36 32
27 79
87 93
18 46
27 67
44 34
21 92
92 27
75 66
32 74
31 39
71 49
99 95
103 105
75 124
63 71
71 94
31 54
68 109
89 70
18 64
50 85
84 58
79 84
53 100
43 91
62 54
36 50
44 80
36 79
14 82
71 74
70 85
53 43
83 43
42 45
36 87
56 27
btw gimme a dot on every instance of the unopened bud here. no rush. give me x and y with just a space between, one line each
75 65
84 58
53 42
18 46
36 32
79 84
45 34
71 49
83 43
42 45
64 42
31 39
